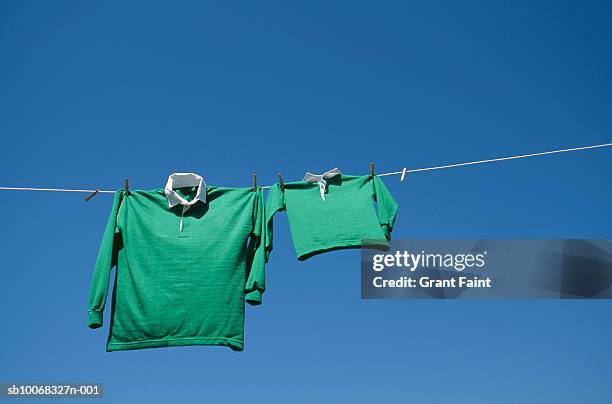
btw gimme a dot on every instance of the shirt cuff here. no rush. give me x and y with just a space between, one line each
253 298
95 318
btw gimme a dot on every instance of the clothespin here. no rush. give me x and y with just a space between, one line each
94 193
404 172
371 168
280 181
127 187
254 182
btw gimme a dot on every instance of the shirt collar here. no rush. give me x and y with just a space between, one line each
180 180
320 178
309 177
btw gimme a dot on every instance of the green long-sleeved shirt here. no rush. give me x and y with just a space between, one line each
347 218
180 285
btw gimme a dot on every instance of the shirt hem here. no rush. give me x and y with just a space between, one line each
234 344
348 244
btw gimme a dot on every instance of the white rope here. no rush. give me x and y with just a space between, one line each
522 156
404 171
54 190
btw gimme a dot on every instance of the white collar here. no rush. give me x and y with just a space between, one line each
180 180
309 177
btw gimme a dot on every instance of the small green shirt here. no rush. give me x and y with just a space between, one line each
180 284
347 218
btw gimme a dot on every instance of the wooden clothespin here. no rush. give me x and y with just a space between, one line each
127 187
94 193
404 172
280 181
371 168
254 182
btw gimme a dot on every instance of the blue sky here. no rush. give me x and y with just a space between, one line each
93 92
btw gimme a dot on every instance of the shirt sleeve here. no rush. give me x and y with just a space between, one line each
107 259
256 276
387 207
275 202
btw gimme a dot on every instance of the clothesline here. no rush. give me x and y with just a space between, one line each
402 173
